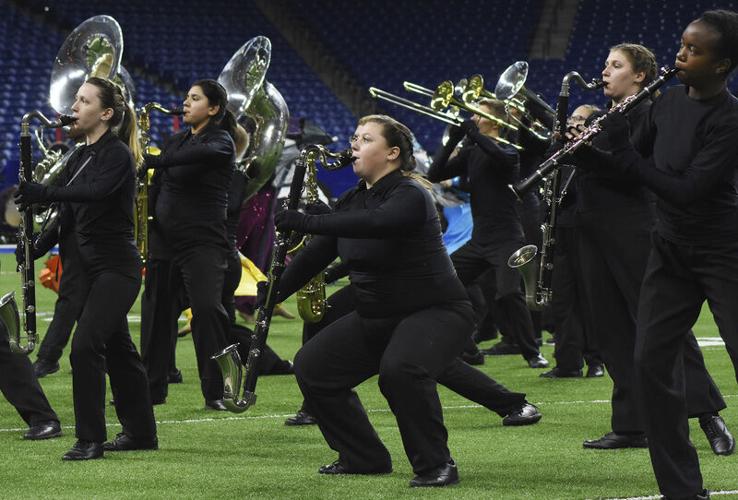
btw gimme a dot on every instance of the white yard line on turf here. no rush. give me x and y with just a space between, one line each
653 497
372 410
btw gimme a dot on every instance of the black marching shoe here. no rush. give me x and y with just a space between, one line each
595 370
337 468
301 418
175 376
475 359
613 440
124 442
84 450
538 361
720 438
215 404
527 414
557 372
501 348
444 475
44 430
43 367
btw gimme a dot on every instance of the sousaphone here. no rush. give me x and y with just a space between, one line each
251 98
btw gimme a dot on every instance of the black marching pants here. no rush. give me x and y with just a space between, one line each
458 376
201 271
73 287
102 340
161 306
511 313
20 387
613 258
569 309
408 352
678 280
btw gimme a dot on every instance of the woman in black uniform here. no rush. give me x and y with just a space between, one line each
98 189
614 223
412 317
687 154
488 168
197 166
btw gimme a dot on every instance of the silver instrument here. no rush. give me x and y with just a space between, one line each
252 98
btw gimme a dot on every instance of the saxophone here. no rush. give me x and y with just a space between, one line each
142 219
310 298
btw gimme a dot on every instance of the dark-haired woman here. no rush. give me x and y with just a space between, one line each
98 188
411 320
196 169
687 155
614 222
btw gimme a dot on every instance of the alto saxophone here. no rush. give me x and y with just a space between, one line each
142 219
310 298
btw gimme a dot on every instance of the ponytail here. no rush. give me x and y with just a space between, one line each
123 121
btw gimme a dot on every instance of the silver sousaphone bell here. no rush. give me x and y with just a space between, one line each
252 98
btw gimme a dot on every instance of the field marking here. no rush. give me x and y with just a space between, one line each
653 497
370 410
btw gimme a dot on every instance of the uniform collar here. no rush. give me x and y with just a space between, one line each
385 182
101 142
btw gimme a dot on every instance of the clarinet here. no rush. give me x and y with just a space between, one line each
228 359
552 163
25 235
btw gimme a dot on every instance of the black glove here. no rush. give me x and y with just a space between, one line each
469 127
318 208
291 220
617 128
20 249
262 287
29 193
151 161
455 134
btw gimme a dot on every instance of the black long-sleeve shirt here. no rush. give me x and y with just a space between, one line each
487 168
602 190
691 161
100 194
192 201
389 237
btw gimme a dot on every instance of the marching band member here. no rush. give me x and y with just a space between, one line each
687 155
197 167
489 167
569 307
614 224
412 317
98 188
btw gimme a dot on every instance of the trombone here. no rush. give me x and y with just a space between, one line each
443 106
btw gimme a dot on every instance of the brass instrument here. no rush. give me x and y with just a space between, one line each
252 98
443 106
94 48
142 219
537 276
229 361
310 298
511 89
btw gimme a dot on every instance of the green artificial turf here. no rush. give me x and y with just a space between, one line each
206 454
